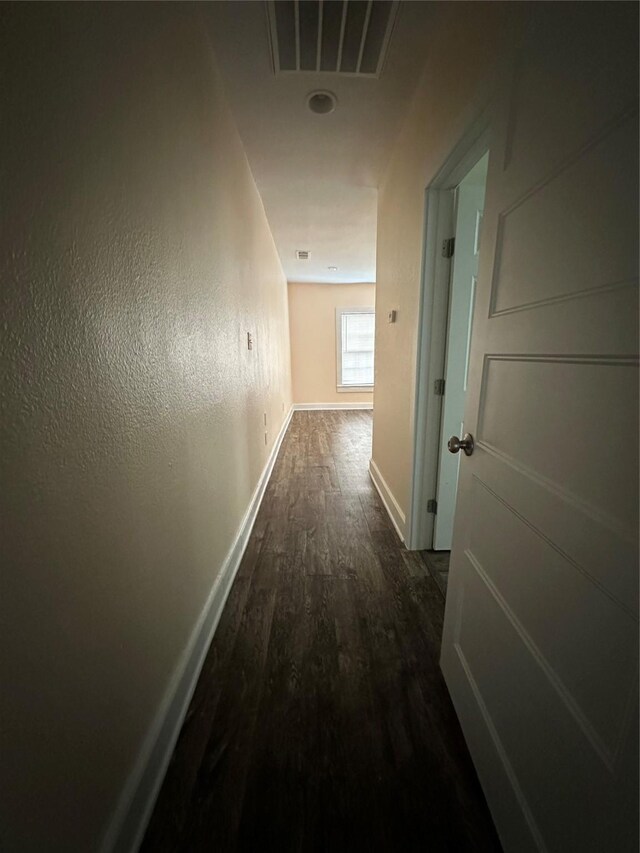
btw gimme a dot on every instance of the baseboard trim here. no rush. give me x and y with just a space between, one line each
127 827
386 496
308 407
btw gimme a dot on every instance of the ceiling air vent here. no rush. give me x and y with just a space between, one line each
302 254
336 36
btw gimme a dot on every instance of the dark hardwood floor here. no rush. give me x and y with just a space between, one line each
321 721
438 565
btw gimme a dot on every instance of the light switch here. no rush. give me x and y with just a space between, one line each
392 316
249 340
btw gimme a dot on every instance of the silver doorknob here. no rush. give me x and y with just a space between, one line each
466 443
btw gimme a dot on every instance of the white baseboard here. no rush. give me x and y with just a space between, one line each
386 496
308 407
127 827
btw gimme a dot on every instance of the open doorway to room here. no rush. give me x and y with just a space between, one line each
464 251
469 205
452 246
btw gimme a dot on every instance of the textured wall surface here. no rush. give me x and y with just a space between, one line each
457 80
135 255
312 321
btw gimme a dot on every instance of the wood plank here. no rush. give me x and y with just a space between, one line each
321 719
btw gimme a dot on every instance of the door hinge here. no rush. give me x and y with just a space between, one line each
438 387
448 247
432 506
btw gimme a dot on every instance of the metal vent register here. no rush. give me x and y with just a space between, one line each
338 36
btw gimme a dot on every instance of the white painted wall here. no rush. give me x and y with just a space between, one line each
135 256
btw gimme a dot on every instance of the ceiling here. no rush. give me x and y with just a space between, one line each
317 174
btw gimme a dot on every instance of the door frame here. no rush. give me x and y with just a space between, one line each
439 224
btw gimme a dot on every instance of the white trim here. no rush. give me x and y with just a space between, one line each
354 389
126 829
386 496
308 407
432 329
432 323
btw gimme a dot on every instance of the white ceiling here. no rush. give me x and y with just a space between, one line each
317 174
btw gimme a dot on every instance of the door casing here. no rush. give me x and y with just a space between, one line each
439 225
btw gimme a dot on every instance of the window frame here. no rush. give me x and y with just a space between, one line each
346 389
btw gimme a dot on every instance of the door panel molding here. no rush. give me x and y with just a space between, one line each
501 752
603 513
573 708
540 57
607 749
567 297
569 727
587 570
628 112
555 519
579 159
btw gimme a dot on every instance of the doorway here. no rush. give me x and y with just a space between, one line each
454 203
468 206
463 251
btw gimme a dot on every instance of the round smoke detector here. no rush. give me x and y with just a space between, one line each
322 102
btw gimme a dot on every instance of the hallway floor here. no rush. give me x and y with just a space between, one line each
438 565
321 721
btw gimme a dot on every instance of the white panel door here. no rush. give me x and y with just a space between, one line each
540 646
469 205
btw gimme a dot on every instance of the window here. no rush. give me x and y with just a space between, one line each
355 334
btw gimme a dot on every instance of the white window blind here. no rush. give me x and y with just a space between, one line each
357 337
